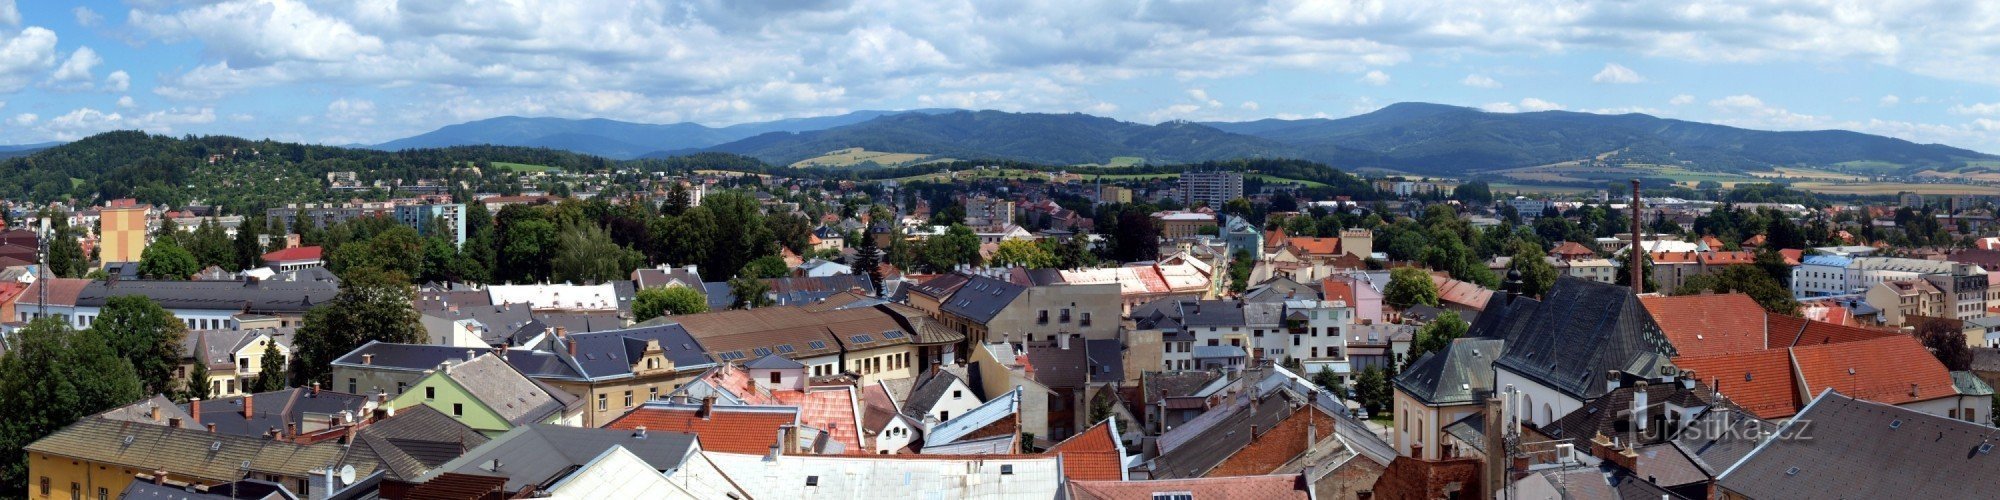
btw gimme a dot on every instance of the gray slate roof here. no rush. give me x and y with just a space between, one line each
1580 330
247 296
982 298
531 455
273 410
928 389
610 353
1859 449
515 397
416 440
1455 375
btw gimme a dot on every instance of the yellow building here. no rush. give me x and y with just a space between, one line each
98 457
121 233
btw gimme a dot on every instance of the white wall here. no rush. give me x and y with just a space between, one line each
1546 403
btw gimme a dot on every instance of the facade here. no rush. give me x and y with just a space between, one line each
1214 188
234 358
452 215
1821 275
97 457
1178 225
214 305
121 232
1438 389
488 395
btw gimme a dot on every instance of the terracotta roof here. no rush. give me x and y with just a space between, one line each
1705 325
1274 447
1791 331
1793 255
1092 455
1413 478
730 429
831 409
1290 486
1727 258
1337 289
294 254
1463 293
1758 381
1891 370
62 291
1315 246
1571 248
1673 257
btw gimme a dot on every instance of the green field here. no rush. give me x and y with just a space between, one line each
856 156
520 167
1890 188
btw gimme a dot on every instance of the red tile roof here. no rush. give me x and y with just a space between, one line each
1337 289
829 409
1706 325
1789 331
1891 370
62 291
1727 258
1315 246
1091 455
1792 255
1673 257
1758 381
1282 487
1275 446
1572 249
1462 293
752 430
294 254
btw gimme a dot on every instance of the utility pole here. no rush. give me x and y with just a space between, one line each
1638 262
42 296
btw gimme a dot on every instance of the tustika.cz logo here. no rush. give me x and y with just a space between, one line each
1719 430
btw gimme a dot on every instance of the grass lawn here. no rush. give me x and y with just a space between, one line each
1890 188
855 156
520 167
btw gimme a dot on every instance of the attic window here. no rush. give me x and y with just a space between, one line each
863 339
1896 424
785 348
1006 469
892 334
1174 495
1746 376
812 480
1792 471
762 351
817 344
1985 447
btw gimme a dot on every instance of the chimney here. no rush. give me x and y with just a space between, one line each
707 407
273 433
1639 406
639 432
159 477
1913 390
211 427
1417 451
470 354
249 406
153 412
291 429
572 345
1253 433
562 332
446 366
1638 252
367 359
174 422
1062 341
1612 381
315 389
194 409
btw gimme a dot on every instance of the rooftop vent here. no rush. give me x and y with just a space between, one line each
1896 424
1792 471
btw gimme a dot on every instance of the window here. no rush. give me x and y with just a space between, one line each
1086 319
628 399
777 377
602 400
1006 469
45 486
400 387
944 415
231 385
1065 315
458 409
243 364
957 394
1042 318
652 393
430 393
812 480
105 494
351 387
75 491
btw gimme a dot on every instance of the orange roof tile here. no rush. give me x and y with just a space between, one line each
829 409
1707 325
294 254
1092 455
1759 381
1571 249
1281 487
1891 370
1792 255
1315 246
1727 258
1281 443
1790 331
1339 289
738 429
1674 257
1462 293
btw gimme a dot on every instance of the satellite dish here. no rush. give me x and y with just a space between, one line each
346 475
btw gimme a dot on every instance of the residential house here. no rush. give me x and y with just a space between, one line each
536 459
1438 389
1902 300
294 258
987 309
214 305
1866 450
1559 348
302 415
233 358
666 277
61 302
872 342
97 456
488 394
790 475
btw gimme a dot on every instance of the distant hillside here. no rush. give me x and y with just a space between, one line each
1434 138
11 151
1058 139
612 138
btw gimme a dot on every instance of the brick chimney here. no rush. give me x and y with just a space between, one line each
572 345
211 427
707 407
367 359
160 477
174 422
194 409
1417 451
249 406
153 412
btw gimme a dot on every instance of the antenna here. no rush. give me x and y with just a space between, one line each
346 475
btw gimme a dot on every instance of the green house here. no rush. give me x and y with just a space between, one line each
487 394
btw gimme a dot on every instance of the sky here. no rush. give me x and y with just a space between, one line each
368 71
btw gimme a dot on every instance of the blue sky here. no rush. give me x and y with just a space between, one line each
366 71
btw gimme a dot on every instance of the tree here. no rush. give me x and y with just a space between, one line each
868 261
655 302
197 382
145 334
1624 277
66 258
52 377
211 246
1437 335
1023 253
749 292
371 305
586 254
1537 275
1746 280
958 245
1946 340
739 232
272 375
398 249
1372 390
1329 381
248 253
1240 266
166 260
526 254
679 199
1409 286
1773 264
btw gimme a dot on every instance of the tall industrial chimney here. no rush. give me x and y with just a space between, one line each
1637 253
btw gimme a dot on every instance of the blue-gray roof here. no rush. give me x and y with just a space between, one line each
610 353
1826 260
1579 331
1217 351
982 298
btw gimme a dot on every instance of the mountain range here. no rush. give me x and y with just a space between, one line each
1414 137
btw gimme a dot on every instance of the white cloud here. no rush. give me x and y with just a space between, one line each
355 111
1533 104
25 55
1615 73
23 119
1889 100
1500 107
1748 111
1681 100
126 102
1977 108
77 68
8 14
117 81
1248 105
85 17
1376 78
83 122
1481 81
